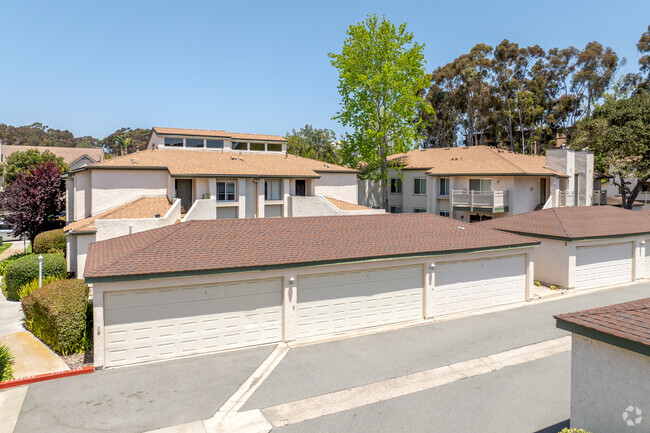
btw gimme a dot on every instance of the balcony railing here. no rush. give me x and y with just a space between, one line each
484 201
564 198
600 198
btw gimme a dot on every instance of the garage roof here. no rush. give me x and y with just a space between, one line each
571 223
246 244
625 325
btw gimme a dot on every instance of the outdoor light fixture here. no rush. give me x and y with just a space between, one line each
292 280
432 266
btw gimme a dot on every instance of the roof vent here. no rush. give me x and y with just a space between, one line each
134 161
462 228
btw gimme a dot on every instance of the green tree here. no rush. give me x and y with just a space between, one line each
314 143
640 81
139 139
21 162
619 134
381 82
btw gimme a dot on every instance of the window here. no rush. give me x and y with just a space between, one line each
225 191
257 147
396 186
480 185
444 213
396 209
239 146
274 147
173 141
193 142
443 189
419 210
419 186
215 144
272 189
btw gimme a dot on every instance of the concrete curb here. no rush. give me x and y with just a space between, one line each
43 377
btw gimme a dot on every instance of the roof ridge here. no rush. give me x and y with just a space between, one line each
559 220
497 152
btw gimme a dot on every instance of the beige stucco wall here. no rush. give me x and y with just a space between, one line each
605 380
112 228
552 263
369 193
410 200
341 186
80 245
290 292
111 188
82 195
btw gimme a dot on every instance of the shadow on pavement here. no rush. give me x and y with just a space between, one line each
555 428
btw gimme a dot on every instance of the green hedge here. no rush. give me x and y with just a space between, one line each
30 288
6 359
57 314
52 241
23 271
11 258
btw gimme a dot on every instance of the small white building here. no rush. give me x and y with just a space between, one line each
479 183
585 247
208 286
610 367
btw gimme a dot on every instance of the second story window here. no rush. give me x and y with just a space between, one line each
238 145
395 186
272 189
257 147
444 187
173 142
419 186
214 144
193 142
225 191
274 147
480 185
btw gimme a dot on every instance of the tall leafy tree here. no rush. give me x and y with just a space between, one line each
640 81
619 134
115 142
21 162
381 82
314 143
34 200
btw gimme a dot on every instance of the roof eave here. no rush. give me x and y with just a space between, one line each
569 238
605 337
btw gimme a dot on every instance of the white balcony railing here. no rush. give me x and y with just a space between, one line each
490 201
600 198
564 198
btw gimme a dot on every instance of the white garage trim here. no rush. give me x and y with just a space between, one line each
647 259
345 301
604 265
467 285
149 325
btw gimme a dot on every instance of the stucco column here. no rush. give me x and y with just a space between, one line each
530 274
639 260
260 198
571 281
286 185
451 198
429 285
431 195
241 198
98 326
289 306
212 187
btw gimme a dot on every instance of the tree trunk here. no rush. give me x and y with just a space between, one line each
627 204
384 177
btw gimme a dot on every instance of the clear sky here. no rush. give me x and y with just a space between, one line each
246 66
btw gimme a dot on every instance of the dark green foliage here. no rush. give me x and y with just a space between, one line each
6 359
11 258
52 241
314 143
25 269
21 162
57 315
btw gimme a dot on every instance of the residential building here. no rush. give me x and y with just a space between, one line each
199 174
208 286
610 361
585 247
481 182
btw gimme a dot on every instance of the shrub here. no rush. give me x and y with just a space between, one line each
11 258
573 430
52 241
25 269
6 359
56 314
29 288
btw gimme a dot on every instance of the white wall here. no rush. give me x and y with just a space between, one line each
112 228
202 209
82 195
369 193
81 247
341 186
552 263
605 380
411 201
112 188
311 206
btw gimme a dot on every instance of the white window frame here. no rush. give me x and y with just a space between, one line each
225 189
397 183
423 185
447 181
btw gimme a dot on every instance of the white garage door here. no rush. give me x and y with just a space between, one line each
344 301
147 325
603 265
473 284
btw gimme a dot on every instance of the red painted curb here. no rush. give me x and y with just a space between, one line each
46 376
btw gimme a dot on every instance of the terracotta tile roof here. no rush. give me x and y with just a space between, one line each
574 222
143 207
214 163
344 205
474 160
69 154
217 133
628 320
211 245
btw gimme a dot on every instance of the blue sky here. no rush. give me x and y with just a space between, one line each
262 67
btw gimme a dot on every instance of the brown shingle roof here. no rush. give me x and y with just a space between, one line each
217 133
574 222
69 154
475 160
143 207
344 205
213 163
252 243
628 320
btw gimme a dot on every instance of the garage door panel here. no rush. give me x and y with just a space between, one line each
647 258
603 265
204 319
345 301
474 284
